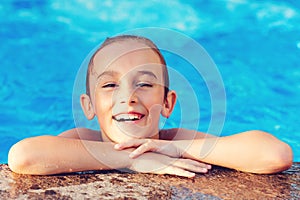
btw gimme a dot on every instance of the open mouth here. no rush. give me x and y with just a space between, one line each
128 117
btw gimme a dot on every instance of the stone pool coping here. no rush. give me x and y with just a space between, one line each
219 183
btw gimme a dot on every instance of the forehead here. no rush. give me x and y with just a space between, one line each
125 55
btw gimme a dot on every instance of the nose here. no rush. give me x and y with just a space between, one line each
127 96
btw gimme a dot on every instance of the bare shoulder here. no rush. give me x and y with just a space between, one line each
82 133
182 134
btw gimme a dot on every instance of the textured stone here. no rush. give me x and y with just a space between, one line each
219 183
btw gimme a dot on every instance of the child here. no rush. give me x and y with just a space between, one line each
127 90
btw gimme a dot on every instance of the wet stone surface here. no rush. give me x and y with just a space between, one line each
219 183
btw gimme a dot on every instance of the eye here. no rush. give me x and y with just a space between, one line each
144 84
110 85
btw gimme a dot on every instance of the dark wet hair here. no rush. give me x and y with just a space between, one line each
141 39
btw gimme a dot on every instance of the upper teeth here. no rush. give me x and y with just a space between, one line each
126 117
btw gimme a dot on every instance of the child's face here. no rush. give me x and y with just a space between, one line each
127 91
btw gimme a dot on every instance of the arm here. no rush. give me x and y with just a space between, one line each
53 155
44 155
252 151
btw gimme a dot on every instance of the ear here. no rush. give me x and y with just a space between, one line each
169 104
87 107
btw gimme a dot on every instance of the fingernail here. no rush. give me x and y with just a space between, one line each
131 155
204 170
208 167
117 146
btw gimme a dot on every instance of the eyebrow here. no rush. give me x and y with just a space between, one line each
107 73
114 73
143 72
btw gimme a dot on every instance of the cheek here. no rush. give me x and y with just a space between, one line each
153 100
103 103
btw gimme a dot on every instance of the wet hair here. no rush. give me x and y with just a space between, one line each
140 39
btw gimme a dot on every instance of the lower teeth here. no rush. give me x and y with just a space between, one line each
124 120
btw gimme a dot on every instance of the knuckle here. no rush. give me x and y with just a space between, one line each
148 140
146 144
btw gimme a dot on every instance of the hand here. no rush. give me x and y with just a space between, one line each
162 164
169 148
143 145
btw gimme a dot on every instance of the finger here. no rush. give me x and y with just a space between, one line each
190 165
178 171
199 163
129 143
142 149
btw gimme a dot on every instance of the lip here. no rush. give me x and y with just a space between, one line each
128 117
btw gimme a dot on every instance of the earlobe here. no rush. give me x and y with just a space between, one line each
169 104
87 107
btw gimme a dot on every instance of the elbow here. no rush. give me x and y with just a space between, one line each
16 158
19 157
25 157
280 159
283 158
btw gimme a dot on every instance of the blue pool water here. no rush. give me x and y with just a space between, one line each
255 45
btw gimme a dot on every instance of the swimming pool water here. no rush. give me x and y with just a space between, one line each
255 44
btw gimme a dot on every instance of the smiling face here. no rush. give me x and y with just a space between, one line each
127 91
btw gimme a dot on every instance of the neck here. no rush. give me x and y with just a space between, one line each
106 138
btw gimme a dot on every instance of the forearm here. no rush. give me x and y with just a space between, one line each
252 151
54 155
